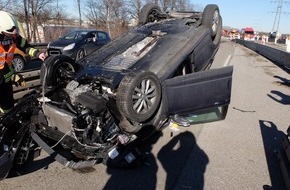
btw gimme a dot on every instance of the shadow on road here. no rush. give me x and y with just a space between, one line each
184 162
279 97
284 82
142 177
272 139
181 158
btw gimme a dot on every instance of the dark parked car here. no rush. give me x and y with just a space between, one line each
100 108
78 43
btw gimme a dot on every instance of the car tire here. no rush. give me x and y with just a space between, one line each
80 54
211 18
139 96
149 13
18 63
53 68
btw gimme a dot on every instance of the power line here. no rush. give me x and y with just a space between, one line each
278 14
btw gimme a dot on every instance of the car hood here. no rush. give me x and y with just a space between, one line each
62 42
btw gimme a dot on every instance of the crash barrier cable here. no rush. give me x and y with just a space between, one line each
280 57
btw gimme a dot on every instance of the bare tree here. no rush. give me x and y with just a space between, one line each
92 12
80 13
32 12
110 15
4 4
176 5
26 18
134 8
166 5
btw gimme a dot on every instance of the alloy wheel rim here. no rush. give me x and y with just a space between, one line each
144 96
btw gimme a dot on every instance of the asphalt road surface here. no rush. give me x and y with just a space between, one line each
233 154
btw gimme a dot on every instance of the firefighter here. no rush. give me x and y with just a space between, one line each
9 40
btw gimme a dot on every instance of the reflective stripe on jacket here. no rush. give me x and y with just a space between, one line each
8 74
6 56
24 46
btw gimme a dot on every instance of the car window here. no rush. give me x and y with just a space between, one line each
69 36
81 34
74 35
101 36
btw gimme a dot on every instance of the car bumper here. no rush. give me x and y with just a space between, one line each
69 53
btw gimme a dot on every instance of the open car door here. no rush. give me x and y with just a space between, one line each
198 91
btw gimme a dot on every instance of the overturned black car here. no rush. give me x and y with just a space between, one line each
97 108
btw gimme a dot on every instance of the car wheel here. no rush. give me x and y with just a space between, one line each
18 63
56 70
139 96
149 13
211 18
80 54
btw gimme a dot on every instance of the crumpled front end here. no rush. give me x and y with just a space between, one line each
83 122
15 141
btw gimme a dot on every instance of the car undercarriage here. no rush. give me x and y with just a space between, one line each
98 109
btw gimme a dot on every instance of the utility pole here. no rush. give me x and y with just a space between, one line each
278 12
277 16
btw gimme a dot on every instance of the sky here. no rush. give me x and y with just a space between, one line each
258 14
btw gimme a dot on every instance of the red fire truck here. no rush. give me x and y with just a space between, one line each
248 34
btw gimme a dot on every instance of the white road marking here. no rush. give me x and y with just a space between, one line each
227 63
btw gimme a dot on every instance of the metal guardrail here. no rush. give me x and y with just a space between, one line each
39 46
32 77
280 57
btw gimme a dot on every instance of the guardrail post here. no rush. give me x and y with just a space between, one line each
288 44
263 40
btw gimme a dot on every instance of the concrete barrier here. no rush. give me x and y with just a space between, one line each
282 58
288 44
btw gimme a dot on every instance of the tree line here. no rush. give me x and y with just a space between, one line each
113 16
